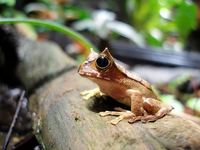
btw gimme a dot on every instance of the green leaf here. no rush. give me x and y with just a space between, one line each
194 103
76 12
153 41
185 18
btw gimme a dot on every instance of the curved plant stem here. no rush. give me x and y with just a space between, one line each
53 26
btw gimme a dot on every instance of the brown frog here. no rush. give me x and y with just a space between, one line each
113 80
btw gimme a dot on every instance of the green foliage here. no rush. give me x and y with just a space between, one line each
63 12
158 20
7 8
194 103
185 18
57 12
171 100
173 84
7 2
76 12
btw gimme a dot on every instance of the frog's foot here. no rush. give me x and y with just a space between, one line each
150 118
144 119
87 94
121 115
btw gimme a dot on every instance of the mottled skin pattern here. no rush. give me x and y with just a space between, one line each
126 88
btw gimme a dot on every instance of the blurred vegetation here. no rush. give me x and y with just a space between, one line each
41 11
160 23
183 93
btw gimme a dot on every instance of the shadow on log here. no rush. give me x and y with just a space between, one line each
64 120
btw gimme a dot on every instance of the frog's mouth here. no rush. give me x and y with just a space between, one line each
87 72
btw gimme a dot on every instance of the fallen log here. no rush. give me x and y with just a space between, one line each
66 121
63 120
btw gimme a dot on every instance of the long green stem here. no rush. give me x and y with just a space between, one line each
53 26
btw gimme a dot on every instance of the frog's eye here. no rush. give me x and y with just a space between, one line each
102 62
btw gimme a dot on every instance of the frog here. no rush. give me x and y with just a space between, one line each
127 88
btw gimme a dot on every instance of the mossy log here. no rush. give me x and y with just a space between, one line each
64 120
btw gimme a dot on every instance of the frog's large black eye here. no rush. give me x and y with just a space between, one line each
102 62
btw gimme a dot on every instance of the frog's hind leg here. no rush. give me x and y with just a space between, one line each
160 111
121 115
150 118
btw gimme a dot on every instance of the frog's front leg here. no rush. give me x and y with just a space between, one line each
87 94
135 113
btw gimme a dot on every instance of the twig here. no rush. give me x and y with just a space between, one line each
8 136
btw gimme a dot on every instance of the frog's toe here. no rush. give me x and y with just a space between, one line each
134 119
116 120
149 118
110 113
85 92
121 115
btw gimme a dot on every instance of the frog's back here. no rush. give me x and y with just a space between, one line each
133 76
137 83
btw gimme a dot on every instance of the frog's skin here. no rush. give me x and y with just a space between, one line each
113 80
